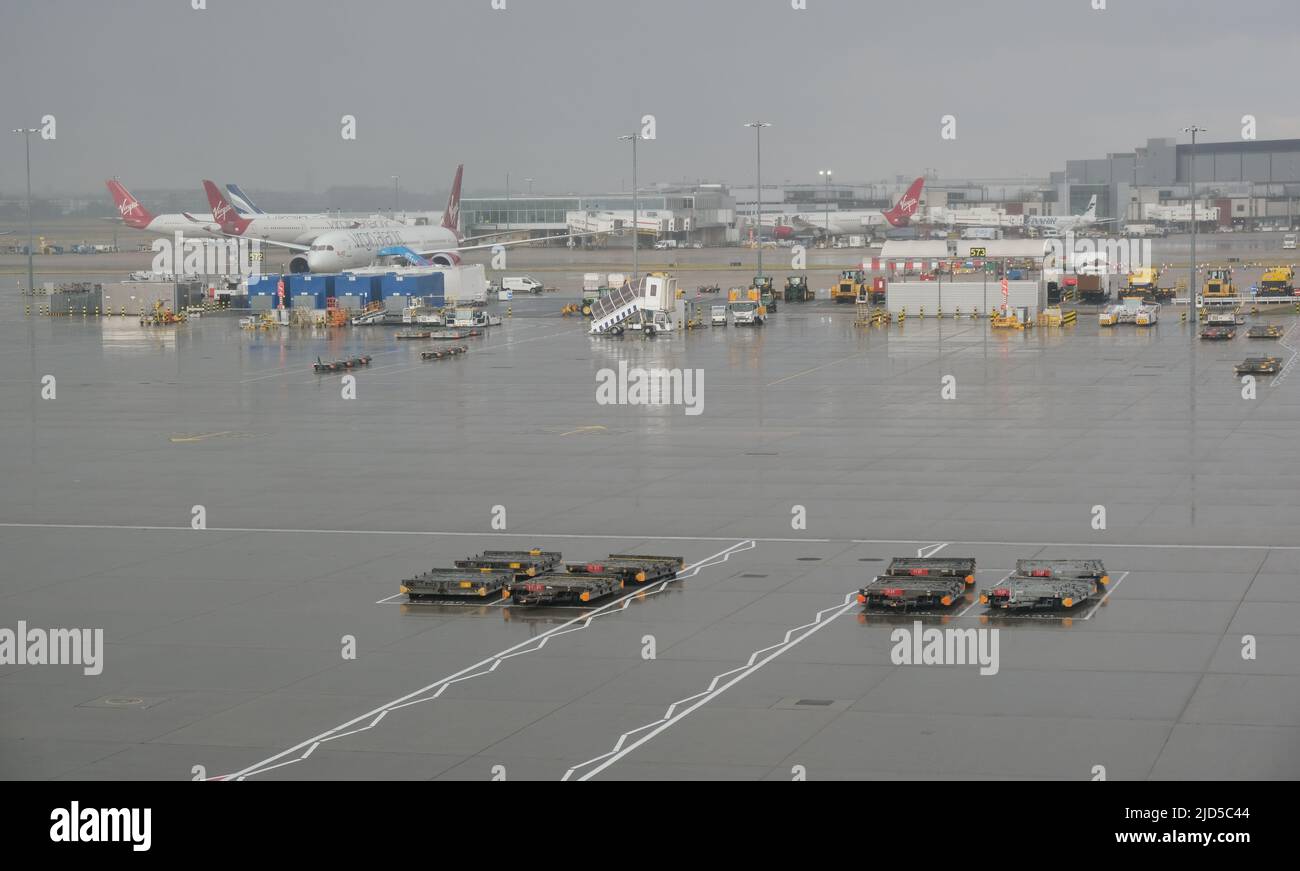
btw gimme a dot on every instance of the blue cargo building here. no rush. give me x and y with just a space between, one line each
355 291
264 292
403 291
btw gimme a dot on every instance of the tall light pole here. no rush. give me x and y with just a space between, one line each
1191 182
758 140
827 174
507 202
394 178
27 138
635 203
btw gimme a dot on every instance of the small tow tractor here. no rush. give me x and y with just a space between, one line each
341 365
1038 585
1219 333
458 585
1260 366
1264 331
919 583
524 563
631 568
441 353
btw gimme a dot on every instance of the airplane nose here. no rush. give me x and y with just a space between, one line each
321 261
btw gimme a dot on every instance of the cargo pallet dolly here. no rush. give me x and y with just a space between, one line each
461 584
1260 366
631 567
564 588
1048 585
1219 333
919 583
524 563
443 352
341 365
1264 331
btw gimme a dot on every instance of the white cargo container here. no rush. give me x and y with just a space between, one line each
969 296
465 283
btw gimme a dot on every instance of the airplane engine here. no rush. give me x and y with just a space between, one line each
299 264
446 258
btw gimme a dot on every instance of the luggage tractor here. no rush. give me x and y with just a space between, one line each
766 291
796 289
1145 282
846 289
1219 284
1277 281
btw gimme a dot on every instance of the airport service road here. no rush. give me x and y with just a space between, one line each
223 645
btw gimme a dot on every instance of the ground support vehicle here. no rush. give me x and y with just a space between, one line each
1048 585
911 583
341 365
525 563
443 353
1260 366
1265 331
458 584
631 568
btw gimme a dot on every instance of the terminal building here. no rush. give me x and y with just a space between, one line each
703 213
1243 184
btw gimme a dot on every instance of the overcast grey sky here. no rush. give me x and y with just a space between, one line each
162 95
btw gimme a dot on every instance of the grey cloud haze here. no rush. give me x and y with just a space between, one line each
162 95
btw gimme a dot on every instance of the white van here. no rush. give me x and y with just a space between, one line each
665 244
1288 241
521 284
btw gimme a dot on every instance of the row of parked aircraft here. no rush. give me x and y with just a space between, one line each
320 242
846 223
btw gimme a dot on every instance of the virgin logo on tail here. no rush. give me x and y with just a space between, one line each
451 215
133 214
226 215
901 214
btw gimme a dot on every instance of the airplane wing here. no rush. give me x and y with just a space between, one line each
293 246
430 251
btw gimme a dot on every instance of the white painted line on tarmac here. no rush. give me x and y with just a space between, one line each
930 549
672 716
641 536
1001 580
1109 591
1285 343
482 667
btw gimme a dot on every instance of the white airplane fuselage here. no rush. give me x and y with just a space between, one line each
348 249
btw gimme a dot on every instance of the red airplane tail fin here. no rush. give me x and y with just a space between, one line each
226 215
451 215
133 214
907 204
